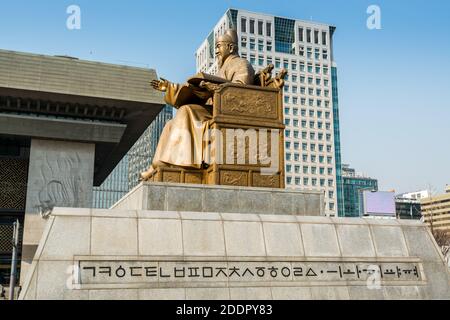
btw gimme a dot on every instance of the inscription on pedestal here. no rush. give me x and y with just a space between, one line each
139 272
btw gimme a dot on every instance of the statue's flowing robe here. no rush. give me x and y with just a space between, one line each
182 140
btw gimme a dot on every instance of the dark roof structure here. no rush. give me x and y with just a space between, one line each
63 98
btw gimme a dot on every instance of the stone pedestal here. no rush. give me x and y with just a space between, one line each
60 175
226 199
137 254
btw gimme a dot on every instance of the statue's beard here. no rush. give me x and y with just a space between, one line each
221 60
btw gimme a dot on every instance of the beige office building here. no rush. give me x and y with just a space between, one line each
436 210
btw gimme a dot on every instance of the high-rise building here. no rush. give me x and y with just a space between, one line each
354 184
408 205
305 49
436 211
126 175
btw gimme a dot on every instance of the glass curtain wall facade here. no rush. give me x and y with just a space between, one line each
353 186
126 175
141 154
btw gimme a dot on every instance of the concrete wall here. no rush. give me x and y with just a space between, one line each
60 174
77 240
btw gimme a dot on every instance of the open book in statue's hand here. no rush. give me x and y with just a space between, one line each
204 77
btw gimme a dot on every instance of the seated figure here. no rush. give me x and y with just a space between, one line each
182 140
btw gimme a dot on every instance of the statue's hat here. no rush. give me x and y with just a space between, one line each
229 36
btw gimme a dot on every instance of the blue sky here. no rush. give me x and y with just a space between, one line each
394 83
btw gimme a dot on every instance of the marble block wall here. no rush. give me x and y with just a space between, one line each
138 254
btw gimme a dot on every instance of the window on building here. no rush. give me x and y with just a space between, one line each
297 169
289 180
288 156
252 26
309 52
269 46
302 79
322 182
252 44
317 53
286 99
317 68
295 134
324 38
305 169
301 51
294 78
261 45
310 68
325 54
294 65
277 63
294 89
295 111
252 59
305 181
288 168
300 34
296 146
260 61
308 35
314 182
285 64
286 110
297 181
268 29
304 146
305 158
260 27
302 67
316 37
295 99
303 101
243 25
304 135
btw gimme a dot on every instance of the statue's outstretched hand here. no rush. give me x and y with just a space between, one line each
160 85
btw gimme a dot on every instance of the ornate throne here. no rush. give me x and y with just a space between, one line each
249 122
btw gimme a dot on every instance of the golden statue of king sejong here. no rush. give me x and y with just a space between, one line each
182 140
